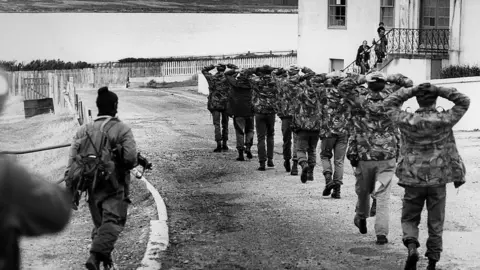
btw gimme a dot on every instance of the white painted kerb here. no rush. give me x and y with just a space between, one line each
158 239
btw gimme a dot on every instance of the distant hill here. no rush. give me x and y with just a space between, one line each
157 6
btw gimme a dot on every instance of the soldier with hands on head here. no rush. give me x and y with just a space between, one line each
264 98
306 121
285 90
240 106
429 160
373 146
101 156
219 90
333 134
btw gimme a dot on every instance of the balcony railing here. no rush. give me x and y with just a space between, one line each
434 42
410 42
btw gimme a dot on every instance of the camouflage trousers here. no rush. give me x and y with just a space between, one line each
307 145
108 208
375 177
336 148
287 140
221 131
244 129
265 126
413 201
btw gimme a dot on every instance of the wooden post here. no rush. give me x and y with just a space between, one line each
50 85
80 113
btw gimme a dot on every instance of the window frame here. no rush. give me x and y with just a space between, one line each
329 15
393 16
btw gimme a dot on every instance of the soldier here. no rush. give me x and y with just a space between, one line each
107 196
373 146
30 206
217 103
306 122
284 111
240 105
333 135
264 98
429 159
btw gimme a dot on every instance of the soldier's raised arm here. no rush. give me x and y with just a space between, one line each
461 101
393 104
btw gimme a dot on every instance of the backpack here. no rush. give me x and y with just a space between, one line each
95 161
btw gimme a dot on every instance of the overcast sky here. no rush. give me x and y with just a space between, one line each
95 37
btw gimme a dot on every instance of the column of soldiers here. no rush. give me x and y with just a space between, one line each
364 124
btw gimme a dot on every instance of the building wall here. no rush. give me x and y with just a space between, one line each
317 44
469 37
419 70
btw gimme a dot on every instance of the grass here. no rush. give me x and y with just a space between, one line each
39 131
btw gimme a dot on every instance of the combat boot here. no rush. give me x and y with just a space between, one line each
249 153
240 156
270 163
328 184
336 192
262 166
219 147
225 146
294 168
286 164
412 258
93 262
303 176
432 264
310 173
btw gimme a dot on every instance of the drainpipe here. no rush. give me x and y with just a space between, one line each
455 40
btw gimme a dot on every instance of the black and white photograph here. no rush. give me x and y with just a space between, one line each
239 134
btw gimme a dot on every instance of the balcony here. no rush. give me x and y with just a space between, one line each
418 43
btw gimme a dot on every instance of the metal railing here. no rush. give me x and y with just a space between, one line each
406 41
352 68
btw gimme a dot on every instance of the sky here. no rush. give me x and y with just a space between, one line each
103 37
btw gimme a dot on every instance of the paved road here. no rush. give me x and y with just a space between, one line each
223 214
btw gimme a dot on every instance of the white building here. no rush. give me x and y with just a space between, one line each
423 35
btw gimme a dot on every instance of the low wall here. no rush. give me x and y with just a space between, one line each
469 86
202 84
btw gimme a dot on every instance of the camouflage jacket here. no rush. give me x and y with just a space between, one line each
288 88
373 136
264 95
428 155
219 89
307 108
335 112
240 100
120 134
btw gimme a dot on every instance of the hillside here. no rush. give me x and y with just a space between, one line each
155 6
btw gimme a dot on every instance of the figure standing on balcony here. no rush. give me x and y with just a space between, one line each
429 159
380 45
363 56
219 90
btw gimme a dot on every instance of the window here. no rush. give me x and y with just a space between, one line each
387 10
336 64
337 13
